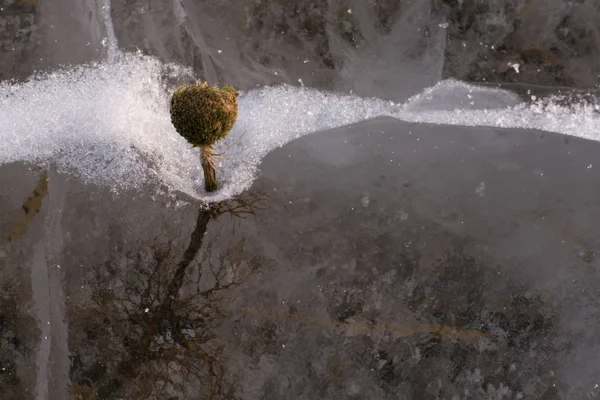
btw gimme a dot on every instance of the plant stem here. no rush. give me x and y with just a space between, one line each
207 156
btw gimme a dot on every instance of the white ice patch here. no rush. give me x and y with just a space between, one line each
109 123
582 120
452 94
103 122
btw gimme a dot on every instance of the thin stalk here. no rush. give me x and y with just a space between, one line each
207 156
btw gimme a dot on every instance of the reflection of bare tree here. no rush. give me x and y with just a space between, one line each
241 206
154 317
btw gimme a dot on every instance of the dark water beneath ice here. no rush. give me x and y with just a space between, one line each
384 229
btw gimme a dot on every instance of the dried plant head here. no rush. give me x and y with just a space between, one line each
204 114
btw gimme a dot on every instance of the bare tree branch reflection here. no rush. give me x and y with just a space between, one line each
151 320
241 206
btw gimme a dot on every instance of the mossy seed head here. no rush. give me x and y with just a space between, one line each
204 114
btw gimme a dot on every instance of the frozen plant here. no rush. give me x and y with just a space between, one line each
203 115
